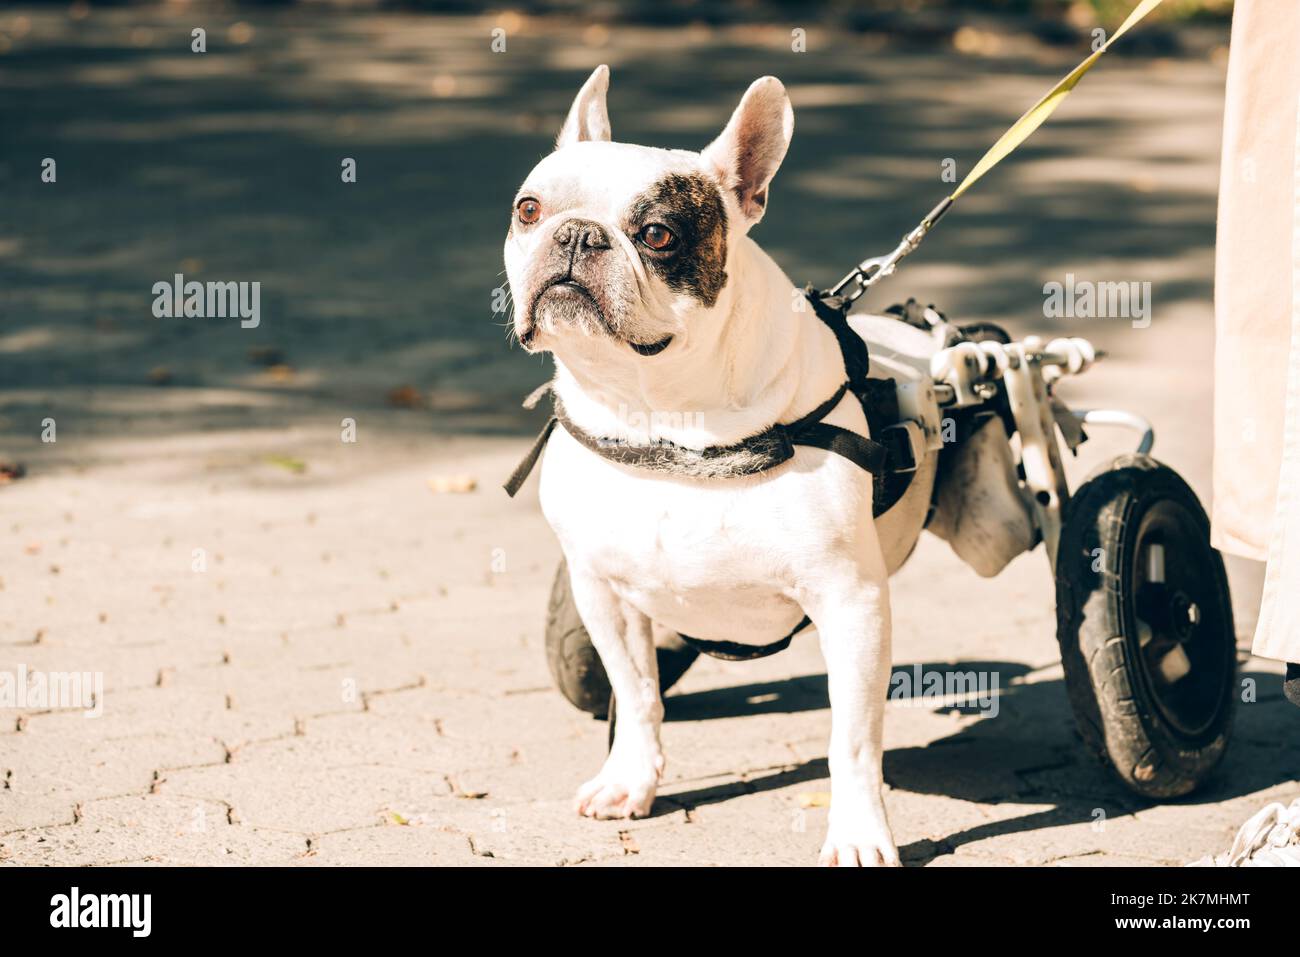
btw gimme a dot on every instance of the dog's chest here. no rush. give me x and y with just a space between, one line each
713 558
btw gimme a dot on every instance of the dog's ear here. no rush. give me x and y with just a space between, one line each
747 153
588 117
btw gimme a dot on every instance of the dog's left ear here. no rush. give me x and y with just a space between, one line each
749 151
588 117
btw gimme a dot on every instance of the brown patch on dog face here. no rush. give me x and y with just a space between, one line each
690 205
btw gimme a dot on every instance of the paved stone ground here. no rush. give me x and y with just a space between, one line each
308 655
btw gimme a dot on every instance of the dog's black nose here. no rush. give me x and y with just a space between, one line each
582 233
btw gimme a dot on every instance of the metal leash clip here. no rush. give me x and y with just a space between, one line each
870 271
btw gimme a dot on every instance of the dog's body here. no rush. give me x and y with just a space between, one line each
701 342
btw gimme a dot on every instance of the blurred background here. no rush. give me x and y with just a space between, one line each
379 294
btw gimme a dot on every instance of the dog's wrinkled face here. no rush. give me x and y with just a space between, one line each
614 240
622 250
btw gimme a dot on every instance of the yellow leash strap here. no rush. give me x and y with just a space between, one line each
871 271
1037 114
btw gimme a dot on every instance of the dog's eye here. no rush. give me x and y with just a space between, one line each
529 211
658 236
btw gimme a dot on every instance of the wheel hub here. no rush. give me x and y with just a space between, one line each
1178 634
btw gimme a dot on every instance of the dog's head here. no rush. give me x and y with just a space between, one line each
621 253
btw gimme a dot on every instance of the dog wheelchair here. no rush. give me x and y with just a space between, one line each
975 431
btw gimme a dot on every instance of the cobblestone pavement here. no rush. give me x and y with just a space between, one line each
309 655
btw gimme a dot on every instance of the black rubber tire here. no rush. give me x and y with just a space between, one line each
1162 738
575 664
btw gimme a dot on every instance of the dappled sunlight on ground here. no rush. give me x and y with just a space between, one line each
225 166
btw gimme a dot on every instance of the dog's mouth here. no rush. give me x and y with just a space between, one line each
560 289
568 287
651 348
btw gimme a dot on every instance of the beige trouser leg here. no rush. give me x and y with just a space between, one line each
1257 305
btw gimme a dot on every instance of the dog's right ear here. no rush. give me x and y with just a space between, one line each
747 153
588 117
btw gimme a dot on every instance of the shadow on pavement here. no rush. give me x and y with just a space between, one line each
1028 754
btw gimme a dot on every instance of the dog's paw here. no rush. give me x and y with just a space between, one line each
859 847
620 790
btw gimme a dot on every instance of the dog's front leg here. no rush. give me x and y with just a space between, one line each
625 786
853 622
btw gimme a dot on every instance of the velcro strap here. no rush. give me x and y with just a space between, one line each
865 453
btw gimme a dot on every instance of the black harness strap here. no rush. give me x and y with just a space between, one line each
865 453
520 475
758 453
735 651
833 311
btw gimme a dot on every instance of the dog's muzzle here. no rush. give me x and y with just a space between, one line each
577 248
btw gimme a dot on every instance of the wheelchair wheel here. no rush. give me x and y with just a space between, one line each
576 666
1144 620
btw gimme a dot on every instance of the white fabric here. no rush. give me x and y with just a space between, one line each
1269 839
1257 305
1278 633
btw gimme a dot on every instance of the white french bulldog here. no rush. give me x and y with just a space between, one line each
633 266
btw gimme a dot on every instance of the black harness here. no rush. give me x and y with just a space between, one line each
891 465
